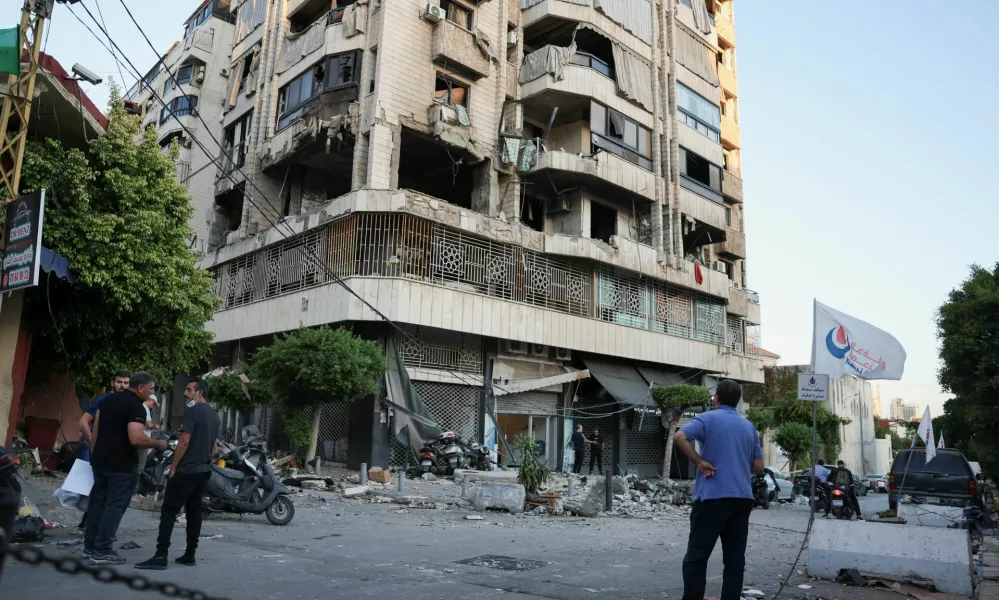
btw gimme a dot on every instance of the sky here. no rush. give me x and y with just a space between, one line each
865 185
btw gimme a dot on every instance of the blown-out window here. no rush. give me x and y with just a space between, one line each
331 73
180 106
614 132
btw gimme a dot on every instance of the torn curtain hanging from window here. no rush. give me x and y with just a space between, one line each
694 54
633 75
550 59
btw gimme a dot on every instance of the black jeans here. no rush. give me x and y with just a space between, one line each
597 456
109 500
577 465
727 518
183 490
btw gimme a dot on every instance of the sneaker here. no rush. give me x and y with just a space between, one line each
186 559
88 553
156 563
111 558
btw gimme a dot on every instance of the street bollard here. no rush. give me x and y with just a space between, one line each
570 486
364 473
464 485
609 481
402 482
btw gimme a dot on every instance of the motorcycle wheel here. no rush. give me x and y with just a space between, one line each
765 502
281 511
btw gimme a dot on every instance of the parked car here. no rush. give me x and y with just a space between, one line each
781 489
947 479
876 483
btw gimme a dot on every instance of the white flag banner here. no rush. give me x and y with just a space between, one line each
843 345
940 444
925 433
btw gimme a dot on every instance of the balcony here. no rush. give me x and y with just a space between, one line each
580 83
732 187
730 133
513 13
607 174
698 207
738 302
542 16
202 39
728 80
734 245
726 30
455 46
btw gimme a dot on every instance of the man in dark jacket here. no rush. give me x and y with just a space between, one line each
578 443
840 475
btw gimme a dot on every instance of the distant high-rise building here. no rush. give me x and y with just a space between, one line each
876 399
901 410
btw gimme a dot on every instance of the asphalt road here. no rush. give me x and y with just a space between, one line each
338 548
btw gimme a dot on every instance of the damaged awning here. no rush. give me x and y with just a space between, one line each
621 381
526 385
659 377
412 423
56 264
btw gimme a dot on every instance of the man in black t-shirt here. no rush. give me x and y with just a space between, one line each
578 442
596 443
189 473
118 433
840 475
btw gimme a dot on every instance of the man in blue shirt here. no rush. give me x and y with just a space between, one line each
119 383
723 492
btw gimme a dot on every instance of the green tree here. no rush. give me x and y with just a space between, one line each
795 440
881 431
533 472
968 330
116 211
672 401
307 368
761 418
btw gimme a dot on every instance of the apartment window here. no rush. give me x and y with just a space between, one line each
457 13
728 216
180 106
244 71
585 59
613 132
450 92
700 176
216 8
331 73
237 136
698 112
603 222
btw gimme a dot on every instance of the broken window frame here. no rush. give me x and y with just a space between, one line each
710 190
245 69
181 106
237 136
451 82
183 74
333 78
214 8
601 137
456 10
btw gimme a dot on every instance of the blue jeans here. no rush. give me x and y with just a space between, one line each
109 500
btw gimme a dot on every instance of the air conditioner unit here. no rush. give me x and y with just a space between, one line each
434 13
224 72
720 266
514 347
539 350
557 204
442 113
511 37
563 354
200 77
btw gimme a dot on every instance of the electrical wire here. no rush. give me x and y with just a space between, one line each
118 63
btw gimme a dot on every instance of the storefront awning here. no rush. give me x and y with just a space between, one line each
659 377
621 381
526 385
55 264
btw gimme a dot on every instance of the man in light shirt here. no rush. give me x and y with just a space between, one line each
148 427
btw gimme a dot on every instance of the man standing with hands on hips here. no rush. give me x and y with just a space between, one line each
723 492
189 473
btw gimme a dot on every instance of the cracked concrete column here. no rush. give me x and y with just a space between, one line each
383 156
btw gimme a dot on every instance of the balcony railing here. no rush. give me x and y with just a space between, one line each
202 39
409 247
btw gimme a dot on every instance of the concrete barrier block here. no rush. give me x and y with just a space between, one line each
506 496
930 515
941 555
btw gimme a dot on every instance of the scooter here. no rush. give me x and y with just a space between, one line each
253 487
153 478
841 507
761 495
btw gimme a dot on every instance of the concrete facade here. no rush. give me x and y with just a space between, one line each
400 149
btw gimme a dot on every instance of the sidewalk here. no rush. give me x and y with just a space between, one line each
989 588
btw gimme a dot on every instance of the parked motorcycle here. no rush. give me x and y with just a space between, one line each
251 485
8 472
153 478
841 507
429 461
820 498
761 494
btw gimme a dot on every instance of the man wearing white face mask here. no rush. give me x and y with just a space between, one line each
189 473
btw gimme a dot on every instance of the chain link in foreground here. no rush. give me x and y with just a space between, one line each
34 556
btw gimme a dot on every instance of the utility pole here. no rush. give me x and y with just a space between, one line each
16 109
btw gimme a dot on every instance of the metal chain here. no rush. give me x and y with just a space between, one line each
34 556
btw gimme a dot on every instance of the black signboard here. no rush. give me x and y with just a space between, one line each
22 234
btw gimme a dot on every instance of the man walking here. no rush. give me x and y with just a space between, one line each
578 443
86 422
117 437
189 473
596 444
723 494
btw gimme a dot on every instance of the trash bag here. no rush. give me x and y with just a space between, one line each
71 500
28 529
27 508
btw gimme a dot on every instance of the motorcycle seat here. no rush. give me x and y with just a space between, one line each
229 473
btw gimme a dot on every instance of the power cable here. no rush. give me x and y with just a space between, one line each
101 14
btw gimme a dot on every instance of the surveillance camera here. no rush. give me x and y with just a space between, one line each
86 74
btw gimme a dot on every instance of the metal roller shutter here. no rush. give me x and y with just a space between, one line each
528 403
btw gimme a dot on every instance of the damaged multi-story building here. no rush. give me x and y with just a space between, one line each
540 198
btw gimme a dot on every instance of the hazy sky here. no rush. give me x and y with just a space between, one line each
865 184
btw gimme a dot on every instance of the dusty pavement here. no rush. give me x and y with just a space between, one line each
336 548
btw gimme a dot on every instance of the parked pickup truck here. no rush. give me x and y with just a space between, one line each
947 479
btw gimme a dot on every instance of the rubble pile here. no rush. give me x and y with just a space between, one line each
633 497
